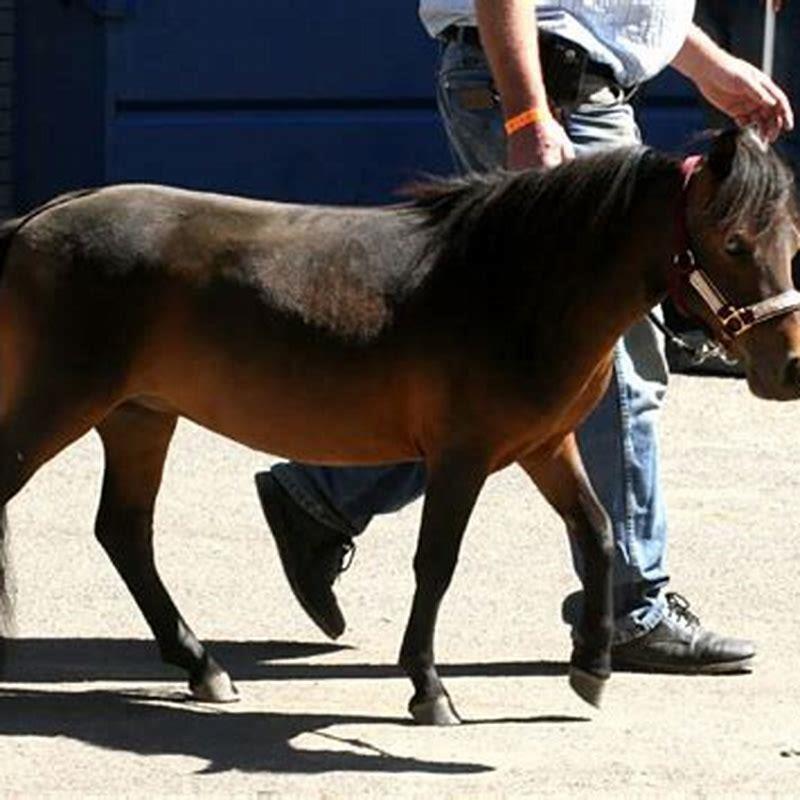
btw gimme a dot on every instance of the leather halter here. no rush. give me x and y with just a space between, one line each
733 320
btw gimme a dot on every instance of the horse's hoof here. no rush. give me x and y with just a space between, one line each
587 686
215 688
439 711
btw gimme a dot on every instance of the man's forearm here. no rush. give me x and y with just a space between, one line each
509 38
734 86
698 54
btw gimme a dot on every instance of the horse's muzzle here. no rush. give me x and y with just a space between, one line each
781 383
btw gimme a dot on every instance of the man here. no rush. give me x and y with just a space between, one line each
498 107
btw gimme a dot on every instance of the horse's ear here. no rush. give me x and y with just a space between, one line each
722 153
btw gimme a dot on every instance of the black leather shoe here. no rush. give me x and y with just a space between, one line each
680 644
312 554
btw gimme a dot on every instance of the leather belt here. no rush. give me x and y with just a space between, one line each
468 34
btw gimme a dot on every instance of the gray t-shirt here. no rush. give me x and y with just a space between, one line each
637 38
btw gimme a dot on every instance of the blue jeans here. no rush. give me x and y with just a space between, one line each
618 441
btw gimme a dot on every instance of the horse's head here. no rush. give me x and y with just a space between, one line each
742 219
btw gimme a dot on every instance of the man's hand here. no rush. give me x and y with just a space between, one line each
509 34
734 86
544 144
748 96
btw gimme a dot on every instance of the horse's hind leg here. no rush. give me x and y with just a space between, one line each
559 473
135 440
453 487
34 426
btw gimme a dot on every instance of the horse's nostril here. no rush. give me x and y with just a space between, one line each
791 372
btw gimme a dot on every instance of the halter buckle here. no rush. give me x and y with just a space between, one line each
735 320
685 261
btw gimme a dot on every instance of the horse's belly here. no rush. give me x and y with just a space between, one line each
305 434
337 443
313 410
324 432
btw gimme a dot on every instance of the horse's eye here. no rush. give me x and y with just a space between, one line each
736 246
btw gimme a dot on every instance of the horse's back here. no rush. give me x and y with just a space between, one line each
336 268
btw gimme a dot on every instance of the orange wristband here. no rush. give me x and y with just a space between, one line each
529 117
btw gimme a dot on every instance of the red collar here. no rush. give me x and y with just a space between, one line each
683 260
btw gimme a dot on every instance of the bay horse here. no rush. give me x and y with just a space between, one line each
470 327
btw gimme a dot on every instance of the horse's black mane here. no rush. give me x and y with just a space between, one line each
488 212
502 231
495 237
757 184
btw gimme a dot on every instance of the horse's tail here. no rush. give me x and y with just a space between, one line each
7 231
10 227
6 589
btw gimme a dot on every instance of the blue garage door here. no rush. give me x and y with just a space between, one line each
295 99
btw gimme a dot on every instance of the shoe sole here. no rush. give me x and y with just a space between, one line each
268 487
740 667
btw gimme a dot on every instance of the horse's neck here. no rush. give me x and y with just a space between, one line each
638 276
632 280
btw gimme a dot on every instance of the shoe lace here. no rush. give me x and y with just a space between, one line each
341 560
678 607
348 555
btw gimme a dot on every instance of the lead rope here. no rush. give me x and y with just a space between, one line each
697 354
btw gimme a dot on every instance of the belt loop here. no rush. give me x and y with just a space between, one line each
463 34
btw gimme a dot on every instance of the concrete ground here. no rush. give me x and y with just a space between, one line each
86 707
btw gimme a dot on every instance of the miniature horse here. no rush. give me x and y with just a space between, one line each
471 328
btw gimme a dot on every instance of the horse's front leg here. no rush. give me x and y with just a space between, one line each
559 473
453 486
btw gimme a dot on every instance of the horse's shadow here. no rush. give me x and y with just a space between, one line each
54 660
224 739
160 722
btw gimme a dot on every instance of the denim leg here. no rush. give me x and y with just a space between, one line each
346 498
619 446
476 135
618 441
